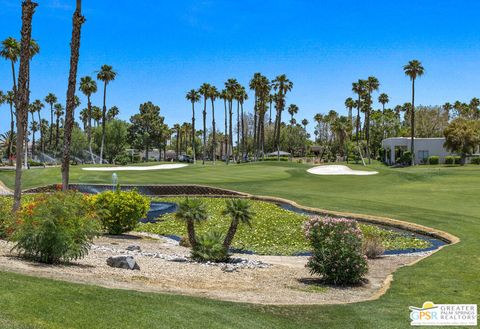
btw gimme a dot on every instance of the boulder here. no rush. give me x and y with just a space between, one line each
126 262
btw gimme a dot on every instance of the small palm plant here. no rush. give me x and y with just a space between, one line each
191 211
240 212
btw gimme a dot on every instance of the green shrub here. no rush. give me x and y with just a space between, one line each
209 248
475 160
449 159
274 158
457 160
6 216
55 227
32 163
123 159
433 160
406 158
337 250
120 210
372 247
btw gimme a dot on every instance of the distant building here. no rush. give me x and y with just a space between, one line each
424 148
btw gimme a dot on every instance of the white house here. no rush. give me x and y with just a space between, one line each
424 148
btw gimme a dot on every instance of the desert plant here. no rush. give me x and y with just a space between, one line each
239 211
120 210
336 250
55 227
191 211
372 247
210 248
433 160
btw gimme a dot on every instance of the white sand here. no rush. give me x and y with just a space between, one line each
338 170
137 168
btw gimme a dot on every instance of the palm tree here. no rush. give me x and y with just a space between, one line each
231 87
58 113
106 74
304 124
176 127
22 94
88 86
292 110
51 99
350 104
191 211
372 85
224 96
241 97
112 113
96 115
413 70
33 108
213 94
204 90
11 51
271 99
239 211
447 107
194 97
383 99
359 89
281 85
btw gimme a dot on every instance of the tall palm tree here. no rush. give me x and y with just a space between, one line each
413 70
239 211
194 97
447 107
112 113
96 115
51 99
271 99
241 97
359 89
59 111
176 127
383 99
305 124
231 87
281 84
33 108
224 96
11 51
204 90
292 110
88 86
350 104
372 85
191 211
22 94
106 74
213 94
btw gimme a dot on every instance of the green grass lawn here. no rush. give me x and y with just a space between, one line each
442 197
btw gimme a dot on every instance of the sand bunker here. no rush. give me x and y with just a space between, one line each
338 170
137 168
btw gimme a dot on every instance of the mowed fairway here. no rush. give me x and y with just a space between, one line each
446 198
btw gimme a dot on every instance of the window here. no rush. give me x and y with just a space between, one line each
423 156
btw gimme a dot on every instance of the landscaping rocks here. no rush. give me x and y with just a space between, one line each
125 262
134 247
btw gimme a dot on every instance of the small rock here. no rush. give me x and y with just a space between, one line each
134 247
179 259
126 262
228 268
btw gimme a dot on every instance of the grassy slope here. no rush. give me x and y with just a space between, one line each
441 197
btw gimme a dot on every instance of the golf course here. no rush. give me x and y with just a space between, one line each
441 197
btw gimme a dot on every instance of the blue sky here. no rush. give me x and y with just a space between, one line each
161 49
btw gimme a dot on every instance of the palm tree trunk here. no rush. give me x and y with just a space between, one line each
238 132
230 234
357 130
204 128
89 128
191 233
226 132
57 133
230 113
10 142
51 126
33 136
177 146
42 144
22 95
243 132
214 136
77 22
412 128
104 119
194 153
255 129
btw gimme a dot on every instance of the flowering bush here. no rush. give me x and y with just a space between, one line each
55 227
337 250
6 216
120 210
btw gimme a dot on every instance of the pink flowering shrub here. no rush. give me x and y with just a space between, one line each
337 250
